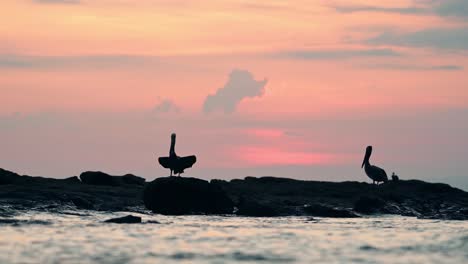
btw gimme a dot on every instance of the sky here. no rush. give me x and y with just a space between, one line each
292 89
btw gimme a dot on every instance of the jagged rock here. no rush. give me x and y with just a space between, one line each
132 179
369 205
97 178
101 178
326 211
266 196
177 196
255 209
129 219
81 203
73 179
8 177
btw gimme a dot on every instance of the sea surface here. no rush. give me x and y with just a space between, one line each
38 237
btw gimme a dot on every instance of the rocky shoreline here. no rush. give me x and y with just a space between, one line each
266 196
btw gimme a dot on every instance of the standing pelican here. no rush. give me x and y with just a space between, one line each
175 163
375 173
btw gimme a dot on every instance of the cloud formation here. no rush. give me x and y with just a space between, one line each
338 54
166 106
19 61
367 8
455 8
406 67
447 8
441 38
241 85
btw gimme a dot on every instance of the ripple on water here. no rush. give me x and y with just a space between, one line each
59 238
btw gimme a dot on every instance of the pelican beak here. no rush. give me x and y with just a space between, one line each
363 162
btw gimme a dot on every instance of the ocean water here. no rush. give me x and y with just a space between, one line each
65 238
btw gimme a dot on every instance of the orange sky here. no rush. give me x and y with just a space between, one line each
329 61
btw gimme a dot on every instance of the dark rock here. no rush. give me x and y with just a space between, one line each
255 209
326 211
132 179
129 219
369 205
73 179
101 178
98 178
81 203
267 196
177 196
8 177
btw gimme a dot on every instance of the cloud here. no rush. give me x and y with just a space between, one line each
338 54
454 8
415 67
166 106
241 85
366 8
441 38
19 61
446 8
58 1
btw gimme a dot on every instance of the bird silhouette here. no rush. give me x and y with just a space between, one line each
175 163
375 173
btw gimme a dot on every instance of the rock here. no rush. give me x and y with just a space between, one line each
101 178
178 196
81 203
369 205
132 179
266 196
326 211
8 177
97 178
73 179
255 209
129 219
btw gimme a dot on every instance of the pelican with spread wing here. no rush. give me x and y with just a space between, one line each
175 163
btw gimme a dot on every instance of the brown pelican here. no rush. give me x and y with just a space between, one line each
175 163
375 173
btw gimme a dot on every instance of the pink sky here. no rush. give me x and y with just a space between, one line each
100 85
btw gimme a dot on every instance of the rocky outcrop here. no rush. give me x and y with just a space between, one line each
8 177
101 178
252 208
56 195
129 219
178 196
266 196
347 199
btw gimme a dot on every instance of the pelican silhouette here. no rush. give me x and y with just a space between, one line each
175 163
375 173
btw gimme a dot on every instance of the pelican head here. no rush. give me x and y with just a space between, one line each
173 136
367 156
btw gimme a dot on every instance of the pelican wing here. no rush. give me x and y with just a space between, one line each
165 162
186 162
379 174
